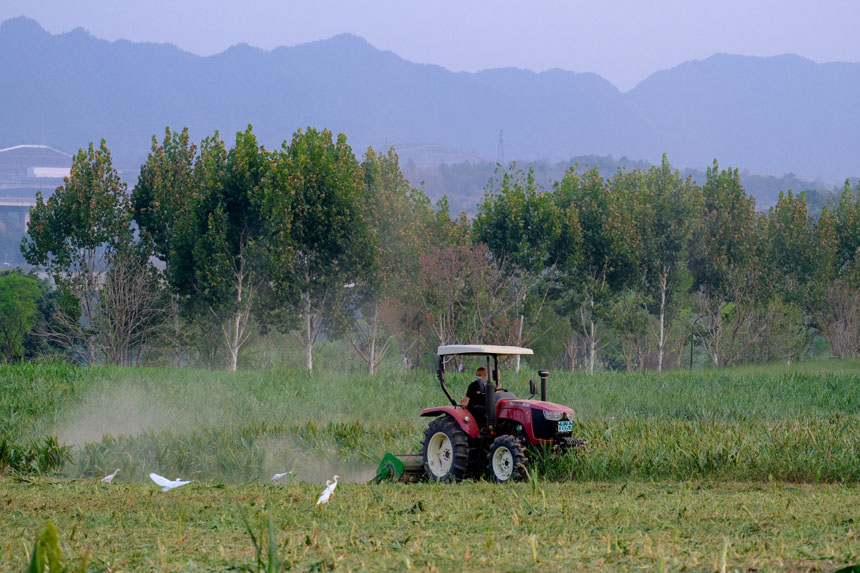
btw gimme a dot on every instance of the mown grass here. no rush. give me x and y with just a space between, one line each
472 526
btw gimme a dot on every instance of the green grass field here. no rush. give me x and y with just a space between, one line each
751 468
470 526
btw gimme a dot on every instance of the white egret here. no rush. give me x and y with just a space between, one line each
326 493
109 478
166 484
277 477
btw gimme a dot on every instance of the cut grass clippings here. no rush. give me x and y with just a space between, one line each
470 526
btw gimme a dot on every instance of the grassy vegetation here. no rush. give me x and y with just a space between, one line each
754 468
523 527
797 423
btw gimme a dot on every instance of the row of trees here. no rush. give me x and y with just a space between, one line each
217 244
648 260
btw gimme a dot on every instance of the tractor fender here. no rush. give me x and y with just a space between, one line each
463 417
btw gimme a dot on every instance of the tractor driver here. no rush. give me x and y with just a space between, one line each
474 399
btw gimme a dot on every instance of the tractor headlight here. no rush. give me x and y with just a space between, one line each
553 416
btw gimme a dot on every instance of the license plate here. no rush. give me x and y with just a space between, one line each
565 426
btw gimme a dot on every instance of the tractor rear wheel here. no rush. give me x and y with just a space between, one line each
445 450
507 459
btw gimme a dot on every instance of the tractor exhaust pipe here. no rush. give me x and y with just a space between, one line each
543 374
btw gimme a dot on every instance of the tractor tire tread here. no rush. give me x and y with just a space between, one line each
518 452
459 442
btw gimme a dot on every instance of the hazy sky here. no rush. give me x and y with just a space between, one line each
623 40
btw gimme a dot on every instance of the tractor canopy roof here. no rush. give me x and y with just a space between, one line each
482 350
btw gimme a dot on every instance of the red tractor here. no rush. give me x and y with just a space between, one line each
456 445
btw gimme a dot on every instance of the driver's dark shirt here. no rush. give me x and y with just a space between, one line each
474 393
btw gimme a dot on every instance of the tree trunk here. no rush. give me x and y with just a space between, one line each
570 349
177 353
232 357
519 343
309 345
234 329
661 338
233 342
591 350
374 333
589 330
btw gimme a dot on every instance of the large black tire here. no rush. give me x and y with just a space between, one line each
445 450
507 459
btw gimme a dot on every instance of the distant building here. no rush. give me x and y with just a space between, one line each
24 170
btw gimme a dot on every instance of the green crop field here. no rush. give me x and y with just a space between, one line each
744 468
547 526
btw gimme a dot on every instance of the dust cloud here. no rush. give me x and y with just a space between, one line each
132 411
129 411
282 454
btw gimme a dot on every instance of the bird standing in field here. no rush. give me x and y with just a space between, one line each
277 477
329 489
166 484
109 478
323 498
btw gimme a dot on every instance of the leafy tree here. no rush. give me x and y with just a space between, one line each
629 319
722 261
74 235
528 232
519 222
608 248
162 201
398 219
320 191
724 236
227 224
666 209
200 210
19 296
847 228
798 252
842 303
164 191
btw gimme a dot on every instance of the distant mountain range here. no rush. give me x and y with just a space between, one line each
776 115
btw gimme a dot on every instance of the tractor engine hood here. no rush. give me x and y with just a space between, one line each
536 405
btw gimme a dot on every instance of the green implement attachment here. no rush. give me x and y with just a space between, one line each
400 468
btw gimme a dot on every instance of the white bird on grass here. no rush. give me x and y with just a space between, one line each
109 478
277 477
166 484
329 489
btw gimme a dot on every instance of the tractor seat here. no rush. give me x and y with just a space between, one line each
503 394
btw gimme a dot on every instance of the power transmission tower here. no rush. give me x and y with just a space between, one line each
500 153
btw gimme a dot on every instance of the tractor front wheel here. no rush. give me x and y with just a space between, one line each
507 459
445 450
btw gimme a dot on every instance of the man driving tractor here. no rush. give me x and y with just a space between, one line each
474 400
